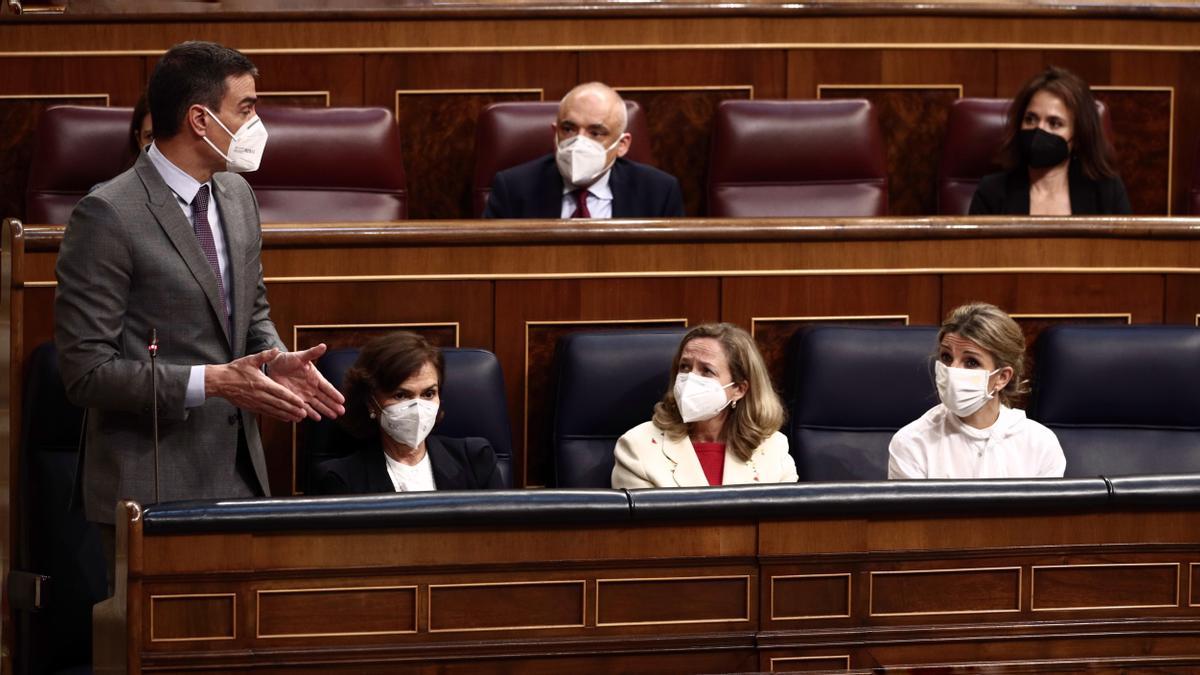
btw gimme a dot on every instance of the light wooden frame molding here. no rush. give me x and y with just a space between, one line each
849 596
1192 589
1170 133
295 347
295 591
749 596
600 324
547 582
39 97
755 320
844 657
871 590
233 623
683 87
1033 586
541 92
1128 316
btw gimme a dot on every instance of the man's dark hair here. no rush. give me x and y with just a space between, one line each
191 73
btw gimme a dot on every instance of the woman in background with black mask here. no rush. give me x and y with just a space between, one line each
1059 162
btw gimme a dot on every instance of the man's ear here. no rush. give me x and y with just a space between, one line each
197 120
624 143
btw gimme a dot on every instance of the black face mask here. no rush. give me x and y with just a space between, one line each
1042 149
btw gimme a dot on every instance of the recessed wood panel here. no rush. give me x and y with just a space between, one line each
1194 571
947 591
342 336
772 334
338 76
506 606
624 602
810 596
1105 586
321 612
175 618
912 119
809 664
1182 302
1142 121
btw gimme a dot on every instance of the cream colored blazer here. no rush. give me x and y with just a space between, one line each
646 457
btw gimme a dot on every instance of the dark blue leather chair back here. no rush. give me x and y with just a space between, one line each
53 536
472 398
1122 400
608 383
849 389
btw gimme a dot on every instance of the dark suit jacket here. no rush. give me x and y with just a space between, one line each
1008 194
534 190
458 464
129 263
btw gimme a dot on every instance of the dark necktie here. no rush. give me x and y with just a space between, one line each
581 209
205 236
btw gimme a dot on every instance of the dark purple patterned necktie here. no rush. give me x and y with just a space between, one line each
205 237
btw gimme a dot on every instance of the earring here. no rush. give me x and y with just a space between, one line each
734 404
371 414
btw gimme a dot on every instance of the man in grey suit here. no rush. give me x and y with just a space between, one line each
172 245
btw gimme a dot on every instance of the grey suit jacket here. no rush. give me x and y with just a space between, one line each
129 263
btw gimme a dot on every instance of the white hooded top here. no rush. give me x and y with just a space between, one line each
942 445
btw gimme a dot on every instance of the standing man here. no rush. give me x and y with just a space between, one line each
587 176
172 246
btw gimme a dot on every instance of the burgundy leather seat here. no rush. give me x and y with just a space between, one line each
330 164
974 134
509 134
797 158
74 148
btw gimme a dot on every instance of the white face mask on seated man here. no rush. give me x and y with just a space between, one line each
581 160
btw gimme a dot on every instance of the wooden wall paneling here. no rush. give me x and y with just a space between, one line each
1167 71
912 119
1187 132
452 313
437 99
679 91
531 315
1143 130
794 302
339 75
1182 301
30 85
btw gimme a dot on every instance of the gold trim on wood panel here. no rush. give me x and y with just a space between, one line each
1170 133
863 317
1128 316
525 383
319 92
849 595
844 657
1033 586
38 97
233 622
681 87
561 582
296 345
746 577
871 590
1191 575
423 92
295 591
955 87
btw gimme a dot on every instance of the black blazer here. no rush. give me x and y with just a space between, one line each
534 190
1008 194
458 464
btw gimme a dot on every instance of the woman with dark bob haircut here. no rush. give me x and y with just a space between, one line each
393 399
1058 161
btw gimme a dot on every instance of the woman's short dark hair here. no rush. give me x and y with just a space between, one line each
191 73
1090 148
140 109
382 366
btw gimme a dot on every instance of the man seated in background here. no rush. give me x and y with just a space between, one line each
587 176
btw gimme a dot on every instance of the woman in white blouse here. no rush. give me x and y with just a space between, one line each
973 432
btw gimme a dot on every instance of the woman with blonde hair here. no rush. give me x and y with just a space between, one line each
973 432
717 425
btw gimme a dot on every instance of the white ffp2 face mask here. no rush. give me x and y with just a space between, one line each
699 398
246 147
963 390
409 422
581 160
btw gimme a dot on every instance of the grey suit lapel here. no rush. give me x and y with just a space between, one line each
170 217
233 219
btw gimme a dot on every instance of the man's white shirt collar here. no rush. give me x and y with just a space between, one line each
182 184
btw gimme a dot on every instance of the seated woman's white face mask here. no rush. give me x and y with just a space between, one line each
963 377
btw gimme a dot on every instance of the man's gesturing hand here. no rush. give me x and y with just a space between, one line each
242 383
296 372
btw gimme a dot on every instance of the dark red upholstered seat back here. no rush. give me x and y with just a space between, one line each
974 134
74 148
330 164
797 158
509 134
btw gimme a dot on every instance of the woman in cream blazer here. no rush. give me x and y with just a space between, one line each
718 424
